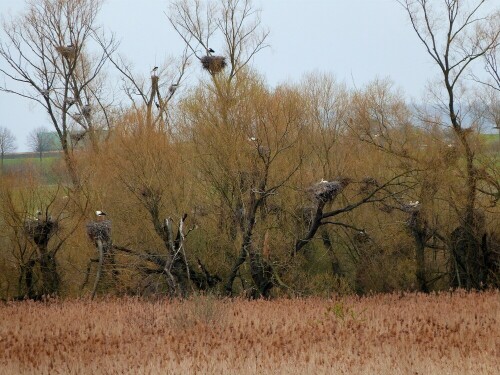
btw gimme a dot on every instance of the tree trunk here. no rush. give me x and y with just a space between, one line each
68 159
50 277
421 267
100 265
262 274
247 240
327 242
313 228
41 232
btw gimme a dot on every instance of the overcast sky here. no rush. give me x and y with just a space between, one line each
356 40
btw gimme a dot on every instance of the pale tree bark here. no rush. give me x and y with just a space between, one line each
236 22
154 92
48 60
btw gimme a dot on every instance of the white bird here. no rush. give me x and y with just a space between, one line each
100 213
153 72
450 145
413 204
252 139
323 181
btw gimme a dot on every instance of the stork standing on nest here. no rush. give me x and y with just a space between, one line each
101 215
154 71
210 51
414 204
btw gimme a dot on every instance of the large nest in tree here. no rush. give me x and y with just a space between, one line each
411 207
326 191
67 52
214 64
99 230
40 231
368 185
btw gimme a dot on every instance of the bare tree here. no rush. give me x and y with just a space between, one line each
7 142
452 32
492 67
234 23
154 93
47 51
41 140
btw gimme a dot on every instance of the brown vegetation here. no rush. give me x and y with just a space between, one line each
386 334
237 188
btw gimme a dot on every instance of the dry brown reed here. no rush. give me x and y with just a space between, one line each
455 333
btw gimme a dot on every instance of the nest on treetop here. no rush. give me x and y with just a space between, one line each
326 191
67 52
40 231
213 64
99 230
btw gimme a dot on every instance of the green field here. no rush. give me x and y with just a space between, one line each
31 162
46 161
490 138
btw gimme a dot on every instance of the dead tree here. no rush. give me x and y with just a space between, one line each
47 61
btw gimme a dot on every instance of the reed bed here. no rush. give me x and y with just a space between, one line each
448 333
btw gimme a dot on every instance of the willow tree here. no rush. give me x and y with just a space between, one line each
225 36
456 34
48 60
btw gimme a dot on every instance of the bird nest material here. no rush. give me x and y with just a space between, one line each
410 207
326 191
213 64
368 185
77 136
99 230
67 52
40 231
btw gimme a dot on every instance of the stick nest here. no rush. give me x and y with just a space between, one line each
213 64
99 230
67 52
326 191
40 231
